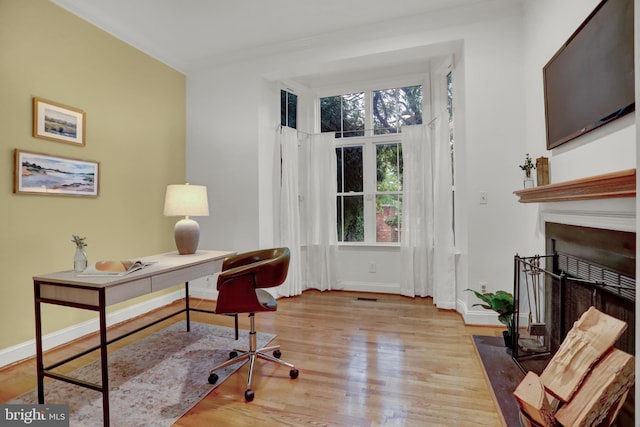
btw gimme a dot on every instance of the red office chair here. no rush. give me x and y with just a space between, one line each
240 291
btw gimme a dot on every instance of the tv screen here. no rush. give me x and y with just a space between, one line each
589 82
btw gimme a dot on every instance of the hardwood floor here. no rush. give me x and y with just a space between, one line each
364 360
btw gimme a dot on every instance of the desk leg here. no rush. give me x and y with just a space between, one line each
186 299
39 355
104 362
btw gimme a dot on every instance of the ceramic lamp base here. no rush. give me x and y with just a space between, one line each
187 235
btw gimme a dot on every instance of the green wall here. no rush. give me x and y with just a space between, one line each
135 128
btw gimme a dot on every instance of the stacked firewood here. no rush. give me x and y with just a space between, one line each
587 381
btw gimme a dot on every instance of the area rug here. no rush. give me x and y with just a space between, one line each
154 381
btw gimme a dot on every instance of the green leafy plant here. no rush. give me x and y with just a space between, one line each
79 241
528 165
501 302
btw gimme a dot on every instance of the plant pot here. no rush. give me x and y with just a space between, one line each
507 339
79 260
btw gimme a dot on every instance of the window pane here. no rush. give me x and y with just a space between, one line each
410 105
330 114
450 110
339 169
393 108
388 217
353 114
340 219
283 108
353 169
389 167
292 105
353 219
384 111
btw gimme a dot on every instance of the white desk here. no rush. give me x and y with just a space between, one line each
95 293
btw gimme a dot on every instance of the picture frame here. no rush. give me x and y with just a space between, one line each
38 173
57 122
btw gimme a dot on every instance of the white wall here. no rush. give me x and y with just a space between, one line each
222 153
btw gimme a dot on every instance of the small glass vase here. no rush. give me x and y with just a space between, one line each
80 260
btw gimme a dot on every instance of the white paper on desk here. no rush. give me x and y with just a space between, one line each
114 268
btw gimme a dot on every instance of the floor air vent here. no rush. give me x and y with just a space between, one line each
366 299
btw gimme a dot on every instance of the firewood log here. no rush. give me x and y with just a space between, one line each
532 399
589 338
601 390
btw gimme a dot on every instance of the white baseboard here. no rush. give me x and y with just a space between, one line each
484 317
203 293
28 349
383 288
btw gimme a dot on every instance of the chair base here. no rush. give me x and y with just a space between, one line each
251 356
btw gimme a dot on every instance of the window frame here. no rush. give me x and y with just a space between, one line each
370 140
369 178
287 92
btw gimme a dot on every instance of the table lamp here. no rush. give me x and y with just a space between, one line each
187 200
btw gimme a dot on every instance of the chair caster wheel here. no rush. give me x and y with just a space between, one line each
248 395
277 354
233 354
293 373
213 378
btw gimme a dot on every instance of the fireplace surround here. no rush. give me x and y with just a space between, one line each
604 202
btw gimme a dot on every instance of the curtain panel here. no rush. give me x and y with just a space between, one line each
289 220
308 215
427 246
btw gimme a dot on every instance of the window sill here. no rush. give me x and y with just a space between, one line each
360 245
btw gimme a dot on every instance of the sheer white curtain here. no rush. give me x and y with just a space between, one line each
289 211
318 211
427 249
308 211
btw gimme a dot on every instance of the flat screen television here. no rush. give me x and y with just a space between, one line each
589 82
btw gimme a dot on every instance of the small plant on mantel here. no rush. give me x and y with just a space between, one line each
502 303
528 165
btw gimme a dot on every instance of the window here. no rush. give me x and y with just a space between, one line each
288 109
369 159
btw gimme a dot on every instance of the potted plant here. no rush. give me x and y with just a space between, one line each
527 167
502 303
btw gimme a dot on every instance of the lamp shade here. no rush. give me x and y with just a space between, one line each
187 200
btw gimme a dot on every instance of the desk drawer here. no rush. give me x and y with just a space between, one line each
69 294
172 278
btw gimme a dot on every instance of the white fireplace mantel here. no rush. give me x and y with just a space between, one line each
620 184
605 201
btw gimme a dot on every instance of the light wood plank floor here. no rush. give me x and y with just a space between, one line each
394 361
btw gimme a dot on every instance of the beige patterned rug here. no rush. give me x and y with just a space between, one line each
154 381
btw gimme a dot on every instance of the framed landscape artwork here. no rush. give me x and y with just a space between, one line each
58 122
37 173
